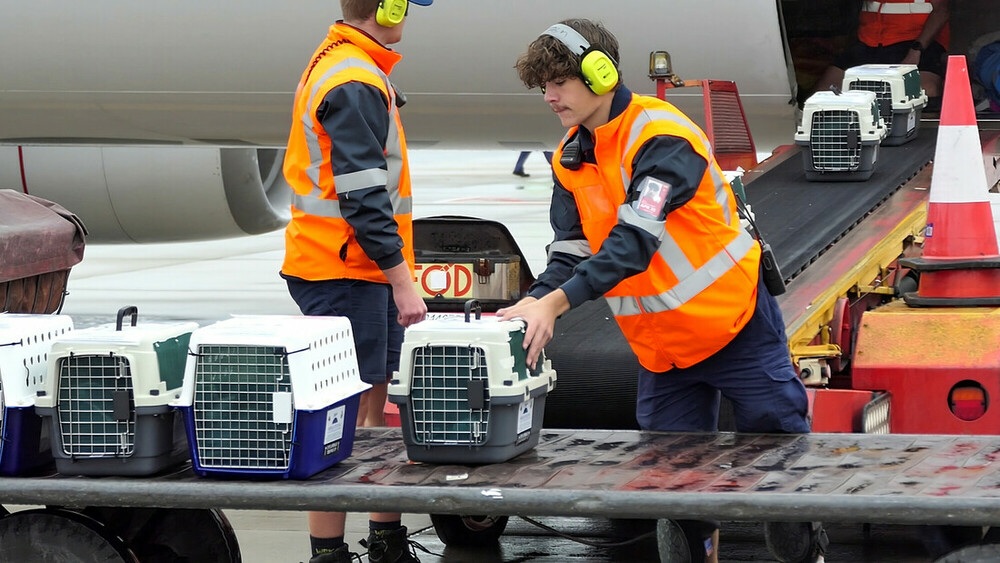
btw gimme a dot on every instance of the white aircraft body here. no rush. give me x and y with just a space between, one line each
165 121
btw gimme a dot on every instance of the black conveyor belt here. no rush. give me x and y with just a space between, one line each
800 219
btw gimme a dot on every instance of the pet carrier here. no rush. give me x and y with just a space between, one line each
271 396
107 395
841 133
25 342
465 393
900 98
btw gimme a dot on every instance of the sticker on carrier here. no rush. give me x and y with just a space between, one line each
525 414
334 426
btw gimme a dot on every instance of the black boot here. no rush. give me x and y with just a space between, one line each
390 546
340 555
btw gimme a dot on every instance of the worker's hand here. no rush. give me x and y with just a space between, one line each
912 57
410 305
540 316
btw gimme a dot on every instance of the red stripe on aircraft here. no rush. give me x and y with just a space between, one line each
20 161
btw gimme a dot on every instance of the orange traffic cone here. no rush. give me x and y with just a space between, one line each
960 265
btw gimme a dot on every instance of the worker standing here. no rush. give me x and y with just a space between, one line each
349 244
644 217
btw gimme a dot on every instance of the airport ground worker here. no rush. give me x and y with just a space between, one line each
644 217
898 32
349 244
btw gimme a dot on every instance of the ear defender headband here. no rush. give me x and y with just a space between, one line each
599 71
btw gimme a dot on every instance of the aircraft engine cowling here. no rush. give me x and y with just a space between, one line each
143 194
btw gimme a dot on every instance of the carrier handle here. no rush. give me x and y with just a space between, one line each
127 310
470 305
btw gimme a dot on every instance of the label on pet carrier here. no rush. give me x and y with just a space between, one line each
281 408
334 425
525 414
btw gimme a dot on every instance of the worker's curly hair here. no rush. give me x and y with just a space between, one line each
549 59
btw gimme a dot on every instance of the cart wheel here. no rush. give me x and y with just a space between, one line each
161 535
47 535
671 542
943 540
794 542
986 553
468 530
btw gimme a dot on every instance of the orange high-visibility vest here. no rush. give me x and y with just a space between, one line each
884 22
319 243
700 288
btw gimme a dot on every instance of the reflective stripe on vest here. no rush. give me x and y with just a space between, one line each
690 286
888 23
721 194
319 242
693 280
914 7
578 248
697 293
330 208
313 202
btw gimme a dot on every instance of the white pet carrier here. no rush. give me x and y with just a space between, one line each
108 392
25 343
900 98
465 393
271 396
840 134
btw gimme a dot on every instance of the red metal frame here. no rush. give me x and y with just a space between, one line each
725 121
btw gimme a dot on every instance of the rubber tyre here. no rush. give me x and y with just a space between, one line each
986 553
671 542
59 536
943 540
167 535
793 542
469 530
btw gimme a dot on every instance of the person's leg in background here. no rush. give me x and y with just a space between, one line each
519 166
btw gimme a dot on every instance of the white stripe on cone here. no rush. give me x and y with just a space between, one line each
959 175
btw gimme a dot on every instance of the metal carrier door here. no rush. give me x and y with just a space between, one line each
835 141
96 407
449 395
235 386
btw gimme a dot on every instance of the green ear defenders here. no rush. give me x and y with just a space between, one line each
392 12
599 71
